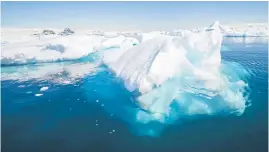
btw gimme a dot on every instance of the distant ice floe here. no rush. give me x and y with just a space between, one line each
38 94
249 30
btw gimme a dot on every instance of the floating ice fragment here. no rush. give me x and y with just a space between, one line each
44 88
37 95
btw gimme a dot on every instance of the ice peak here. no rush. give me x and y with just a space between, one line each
216 25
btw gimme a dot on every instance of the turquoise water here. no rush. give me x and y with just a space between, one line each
86 108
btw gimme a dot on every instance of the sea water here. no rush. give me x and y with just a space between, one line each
82 106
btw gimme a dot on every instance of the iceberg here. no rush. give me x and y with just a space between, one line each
177 76
194 51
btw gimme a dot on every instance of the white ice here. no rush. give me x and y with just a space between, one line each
184 69
58 48
44 88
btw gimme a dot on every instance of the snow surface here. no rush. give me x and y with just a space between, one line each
58 48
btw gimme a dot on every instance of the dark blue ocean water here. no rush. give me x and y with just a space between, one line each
94 112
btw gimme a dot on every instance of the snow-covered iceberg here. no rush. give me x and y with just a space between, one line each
181 76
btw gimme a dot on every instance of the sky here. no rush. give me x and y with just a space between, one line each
130 16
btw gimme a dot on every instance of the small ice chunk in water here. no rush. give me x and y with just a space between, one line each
113 130
97 100
44 88
37 95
